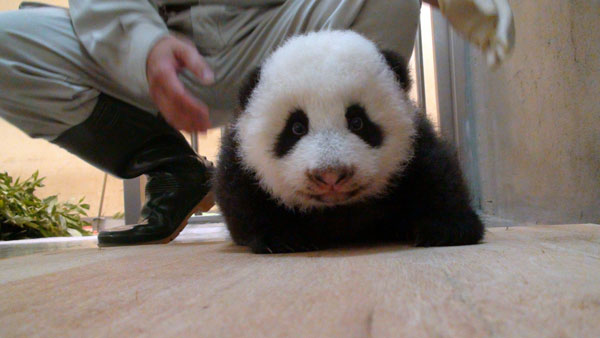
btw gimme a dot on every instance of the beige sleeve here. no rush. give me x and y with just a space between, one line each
118 35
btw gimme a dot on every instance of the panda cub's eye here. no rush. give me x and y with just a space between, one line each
295 128
299 129
355 124
359 123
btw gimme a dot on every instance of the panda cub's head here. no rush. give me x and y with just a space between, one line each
326 120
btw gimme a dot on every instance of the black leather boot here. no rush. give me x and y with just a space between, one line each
126 141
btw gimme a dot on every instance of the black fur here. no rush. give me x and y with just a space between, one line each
370 132
398 65
287 139
427 203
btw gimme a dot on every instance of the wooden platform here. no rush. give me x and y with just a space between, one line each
539 281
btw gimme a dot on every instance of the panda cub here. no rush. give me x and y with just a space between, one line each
329 150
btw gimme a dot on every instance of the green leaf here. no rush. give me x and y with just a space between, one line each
24 215
74 232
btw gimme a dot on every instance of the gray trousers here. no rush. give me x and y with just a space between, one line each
49 82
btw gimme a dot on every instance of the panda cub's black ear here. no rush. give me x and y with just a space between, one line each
248 87
397 63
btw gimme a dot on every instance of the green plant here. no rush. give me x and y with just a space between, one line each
23 215
119 215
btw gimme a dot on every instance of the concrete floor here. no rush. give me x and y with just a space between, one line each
538 281
191 233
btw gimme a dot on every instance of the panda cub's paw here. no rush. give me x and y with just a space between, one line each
464 230
274 243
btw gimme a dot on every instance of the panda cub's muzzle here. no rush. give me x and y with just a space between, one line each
331 185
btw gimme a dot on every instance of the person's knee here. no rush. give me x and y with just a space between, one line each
20 24
10 26
19 27
391 24
32 37
7 25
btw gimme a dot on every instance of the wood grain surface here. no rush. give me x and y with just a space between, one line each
538 281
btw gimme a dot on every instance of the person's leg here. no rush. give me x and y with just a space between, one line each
391 24
246 36
41 91
49 82
50 87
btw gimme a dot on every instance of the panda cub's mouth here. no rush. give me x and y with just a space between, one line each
333 198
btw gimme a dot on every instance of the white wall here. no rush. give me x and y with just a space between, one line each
537 118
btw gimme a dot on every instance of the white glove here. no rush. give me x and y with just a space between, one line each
486 23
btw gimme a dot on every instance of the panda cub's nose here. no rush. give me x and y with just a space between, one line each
336 176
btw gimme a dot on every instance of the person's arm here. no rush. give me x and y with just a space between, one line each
488 24
133 45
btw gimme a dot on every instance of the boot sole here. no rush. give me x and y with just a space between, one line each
204 205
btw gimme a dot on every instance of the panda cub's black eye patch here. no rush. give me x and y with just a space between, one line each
361 125
295 128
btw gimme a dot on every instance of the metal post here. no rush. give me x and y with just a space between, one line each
133 200
419 70
195 142
457 123
97 222
443 78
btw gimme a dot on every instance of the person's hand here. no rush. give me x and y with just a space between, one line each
486 23
180 109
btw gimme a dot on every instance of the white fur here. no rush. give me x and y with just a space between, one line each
323 73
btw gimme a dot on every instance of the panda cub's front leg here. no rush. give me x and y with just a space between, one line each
280 234
448 229
442 214
276 242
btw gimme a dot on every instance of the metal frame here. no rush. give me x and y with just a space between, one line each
132 197
420 77
453 81
443 73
